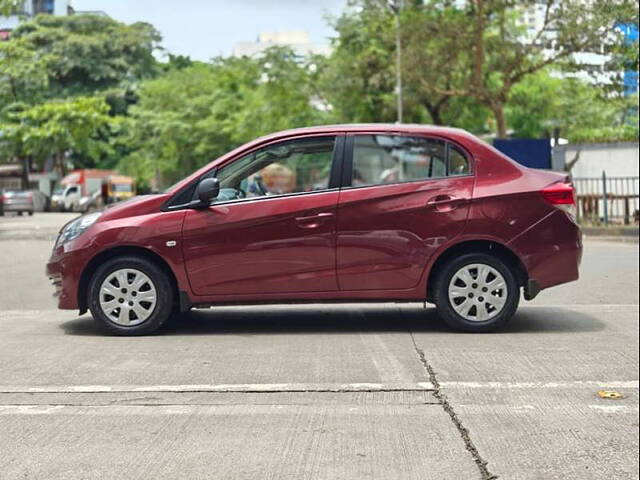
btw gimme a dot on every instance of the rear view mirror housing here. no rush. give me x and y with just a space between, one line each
207 190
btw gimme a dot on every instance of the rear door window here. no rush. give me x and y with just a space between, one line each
387 159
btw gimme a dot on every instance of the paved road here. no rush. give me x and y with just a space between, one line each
317 392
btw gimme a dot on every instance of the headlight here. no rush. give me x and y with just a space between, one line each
75 228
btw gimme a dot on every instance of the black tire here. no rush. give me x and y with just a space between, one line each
164 289
458 322
31 213
19 214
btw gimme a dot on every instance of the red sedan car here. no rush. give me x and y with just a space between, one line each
329 214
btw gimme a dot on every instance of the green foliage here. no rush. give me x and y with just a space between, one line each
581 111
9 7
192 115
85 53
55 127
359 80
24 75
89 88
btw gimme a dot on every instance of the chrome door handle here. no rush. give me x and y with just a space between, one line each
316 217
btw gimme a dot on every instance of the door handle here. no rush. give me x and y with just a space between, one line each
312 221
444 203
441 200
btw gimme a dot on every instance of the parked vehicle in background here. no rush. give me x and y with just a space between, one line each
116 188
18 201
77 185
65 199
338 213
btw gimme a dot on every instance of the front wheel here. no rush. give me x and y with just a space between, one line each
476 292
130 296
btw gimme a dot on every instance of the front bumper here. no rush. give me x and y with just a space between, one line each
64 270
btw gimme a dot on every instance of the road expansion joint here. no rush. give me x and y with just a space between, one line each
448 408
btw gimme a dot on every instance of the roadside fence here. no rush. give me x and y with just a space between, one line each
607 200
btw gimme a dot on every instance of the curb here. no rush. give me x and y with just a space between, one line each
612 234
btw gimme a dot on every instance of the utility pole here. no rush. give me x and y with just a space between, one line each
398 63
395 7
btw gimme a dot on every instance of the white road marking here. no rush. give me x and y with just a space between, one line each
224 388
520 385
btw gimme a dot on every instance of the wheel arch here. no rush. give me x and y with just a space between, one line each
477 246
105 255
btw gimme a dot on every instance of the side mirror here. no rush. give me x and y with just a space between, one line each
207 190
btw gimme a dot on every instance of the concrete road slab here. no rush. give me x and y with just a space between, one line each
227 346
529 398
356 439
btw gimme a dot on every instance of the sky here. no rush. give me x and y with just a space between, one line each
204 29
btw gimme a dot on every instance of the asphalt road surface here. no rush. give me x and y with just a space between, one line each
319 392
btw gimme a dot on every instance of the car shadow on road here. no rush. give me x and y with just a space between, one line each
324 319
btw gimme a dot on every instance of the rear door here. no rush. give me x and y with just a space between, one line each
404 196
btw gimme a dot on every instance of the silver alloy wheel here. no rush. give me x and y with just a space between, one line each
478 292
127 297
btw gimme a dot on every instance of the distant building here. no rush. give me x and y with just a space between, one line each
298 41
31 8
594 63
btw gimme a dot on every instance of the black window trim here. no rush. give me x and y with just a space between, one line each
347 173
335 173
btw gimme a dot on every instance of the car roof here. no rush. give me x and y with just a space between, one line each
370 127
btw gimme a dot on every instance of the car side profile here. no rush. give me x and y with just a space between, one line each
344 213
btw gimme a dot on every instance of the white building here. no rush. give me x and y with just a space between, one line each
593 63
297 40
31 8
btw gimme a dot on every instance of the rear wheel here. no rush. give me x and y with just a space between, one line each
476 292
131 296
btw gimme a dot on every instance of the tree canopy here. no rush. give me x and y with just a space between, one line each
91 90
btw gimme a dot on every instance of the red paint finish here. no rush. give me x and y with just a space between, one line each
387 234
269 245
344 243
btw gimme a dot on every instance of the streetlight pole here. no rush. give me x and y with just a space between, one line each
395 6
398 66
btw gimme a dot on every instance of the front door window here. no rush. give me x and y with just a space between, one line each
296 166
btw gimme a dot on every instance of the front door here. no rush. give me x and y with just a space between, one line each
408 195
272 228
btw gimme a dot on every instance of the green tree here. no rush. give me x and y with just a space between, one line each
86 53
24 75
194 114
360 78
8 7
55 127
503 53
580 111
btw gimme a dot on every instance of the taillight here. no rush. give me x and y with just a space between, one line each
561 195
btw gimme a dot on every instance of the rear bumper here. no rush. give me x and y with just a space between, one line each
16 207
551 251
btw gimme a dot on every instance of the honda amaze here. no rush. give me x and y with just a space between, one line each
346 213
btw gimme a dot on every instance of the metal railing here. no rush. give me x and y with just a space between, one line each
607 200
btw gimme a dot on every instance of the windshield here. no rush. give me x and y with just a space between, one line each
58 191
122 187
